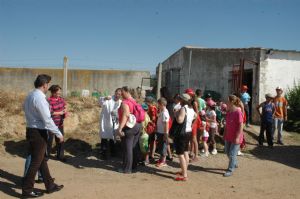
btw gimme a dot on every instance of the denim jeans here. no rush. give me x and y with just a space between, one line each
278 124
231 150
27 163
162 145
268 127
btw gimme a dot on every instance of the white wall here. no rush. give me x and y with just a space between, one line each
279 69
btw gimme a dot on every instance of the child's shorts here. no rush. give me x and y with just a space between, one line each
204 139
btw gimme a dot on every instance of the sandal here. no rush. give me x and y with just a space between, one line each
181 178
178 173
194 160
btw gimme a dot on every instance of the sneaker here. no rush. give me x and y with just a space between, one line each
161 164
227 174
206 154
170 158
202 151
39 181
240 153
214 152
280 142
147 162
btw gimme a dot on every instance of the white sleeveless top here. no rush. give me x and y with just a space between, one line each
189 119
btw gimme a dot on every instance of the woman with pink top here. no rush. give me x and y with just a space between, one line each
233 135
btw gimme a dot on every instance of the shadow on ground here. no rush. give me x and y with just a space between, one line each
288 155
18 148
84 156
14 182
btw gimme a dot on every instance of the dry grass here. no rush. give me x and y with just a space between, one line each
11 102
82 120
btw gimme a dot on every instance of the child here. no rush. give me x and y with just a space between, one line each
211 119
144 138
233 134
195 126
205 134
268 109
177 105
152 112
162 131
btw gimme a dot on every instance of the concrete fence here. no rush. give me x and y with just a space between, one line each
104 81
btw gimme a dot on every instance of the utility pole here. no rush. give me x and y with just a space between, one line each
65 80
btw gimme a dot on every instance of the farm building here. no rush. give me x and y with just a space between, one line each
225 70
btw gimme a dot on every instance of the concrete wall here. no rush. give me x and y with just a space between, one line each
279 68
211 69
21 79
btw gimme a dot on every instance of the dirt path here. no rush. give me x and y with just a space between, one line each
262 173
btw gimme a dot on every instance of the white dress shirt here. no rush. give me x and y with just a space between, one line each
37 112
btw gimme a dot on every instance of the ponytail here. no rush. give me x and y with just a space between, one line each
234 100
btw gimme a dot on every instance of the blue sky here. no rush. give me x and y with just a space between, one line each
138 34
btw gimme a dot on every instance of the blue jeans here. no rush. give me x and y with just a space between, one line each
278 124
162 145
231 150
27 164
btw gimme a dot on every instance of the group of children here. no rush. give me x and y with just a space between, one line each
204 127
204 121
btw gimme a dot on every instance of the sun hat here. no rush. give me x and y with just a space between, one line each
185 97
189 91
202 113
244 87
149 99
145 106
131 121
268 95
210 103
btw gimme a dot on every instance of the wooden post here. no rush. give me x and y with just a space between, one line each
65 79
159 80
190 66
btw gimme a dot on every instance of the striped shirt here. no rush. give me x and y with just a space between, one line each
57 104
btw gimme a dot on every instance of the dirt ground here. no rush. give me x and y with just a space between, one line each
262 173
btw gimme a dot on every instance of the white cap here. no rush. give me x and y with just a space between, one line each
279 88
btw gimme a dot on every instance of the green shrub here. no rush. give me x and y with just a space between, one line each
293 97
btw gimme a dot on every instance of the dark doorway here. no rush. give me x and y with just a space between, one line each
248 80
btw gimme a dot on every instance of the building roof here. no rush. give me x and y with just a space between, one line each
231 49
249 48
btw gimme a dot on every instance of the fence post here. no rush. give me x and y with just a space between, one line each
65 79
159 77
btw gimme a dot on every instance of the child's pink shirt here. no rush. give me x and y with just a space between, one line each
233 121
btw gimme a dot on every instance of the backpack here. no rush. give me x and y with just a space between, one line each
150 128
138 111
